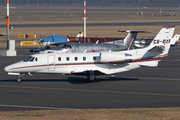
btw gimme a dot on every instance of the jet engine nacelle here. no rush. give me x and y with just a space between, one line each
112 57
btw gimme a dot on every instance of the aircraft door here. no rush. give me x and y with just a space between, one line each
51 63
77 48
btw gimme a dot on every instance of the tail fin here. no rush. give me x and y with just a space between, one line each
81 34
131 37
163 39
175 39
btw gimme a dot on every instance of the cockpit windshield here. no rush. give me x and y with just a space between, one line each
66 46
30 58
62 45
27 59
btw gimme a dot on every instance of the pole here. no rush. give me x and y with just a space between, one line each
85 20
7 17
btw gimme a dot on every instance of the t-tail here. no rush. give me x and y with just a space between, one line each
161 43
157 50
80 34
131 37
175 40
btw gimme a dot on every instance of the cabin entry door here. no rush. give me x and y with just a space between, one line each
51 63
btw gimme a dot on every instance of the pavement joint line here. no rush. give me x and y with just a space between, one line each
144 78
155 78
97 91
37 107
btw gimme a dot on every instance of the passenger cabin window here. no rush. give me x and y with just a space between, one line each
84 58
94 58
76 58
67 58
59 58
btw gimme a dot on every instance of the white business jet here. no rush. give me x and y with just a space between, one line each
96 63
2 35
117 45
146 41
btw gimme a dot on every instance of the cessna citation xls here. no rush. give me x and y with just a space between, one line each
96 47
96 63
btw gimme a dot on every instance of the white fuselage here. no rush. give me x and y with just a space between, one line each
105 62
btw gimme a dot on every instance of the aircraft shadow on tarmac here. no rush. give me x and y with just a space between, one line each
74 80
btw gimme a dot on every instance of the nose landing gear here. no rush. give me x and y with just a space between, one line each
19 78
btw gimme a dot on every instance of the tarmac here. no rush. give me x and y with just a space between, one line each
92 24
146 87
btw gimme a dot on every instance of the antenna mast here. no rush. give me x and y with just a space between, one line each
7 17
85 17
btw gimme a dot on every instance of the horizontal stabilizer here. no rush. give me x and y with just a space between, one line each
78 71
134 31
149 63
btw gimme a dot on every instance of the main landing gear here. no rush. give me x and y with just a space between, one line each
90 76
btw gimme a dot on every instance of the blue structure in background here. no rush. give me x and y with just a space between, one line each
55 39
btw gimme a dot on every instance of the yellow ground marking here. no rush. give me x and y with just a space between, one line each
97 91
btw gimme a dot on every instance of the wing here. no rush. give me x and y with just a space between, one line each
2 34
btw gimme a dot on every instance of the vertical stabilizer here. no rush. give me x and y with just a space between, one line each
131 37
163 38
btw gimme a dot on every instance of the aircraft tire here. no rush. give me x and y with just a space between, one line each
94 80
19 79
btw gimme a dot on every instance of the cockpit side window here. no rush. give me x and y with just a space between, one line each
36 59
68 47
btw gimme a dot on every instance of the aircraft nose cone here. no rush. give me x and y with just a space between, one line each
7 69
